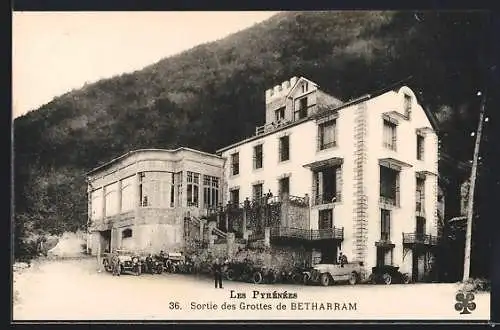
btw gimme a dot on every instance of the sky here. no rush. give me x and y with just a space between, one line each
56 52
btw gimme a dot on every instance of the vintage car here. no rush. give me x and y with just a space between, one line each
152 265
294 275
174 262
240 271
129 262
328 274
388 275
263 274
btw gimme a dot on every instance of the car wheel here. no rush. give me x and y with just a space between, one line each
325 279
297 278
257 277
353 278
305 279
387 278
230 275
405 279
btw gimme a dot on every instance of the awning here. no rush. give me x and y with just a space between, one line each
394 116
335 161
393 163
425 173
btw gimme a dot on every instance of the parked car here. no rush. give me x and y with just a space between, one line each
240 271
174 262
328 274
130 262
263 274
388 275
152 265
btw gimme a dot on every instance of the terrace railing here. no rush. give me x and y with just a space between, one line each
308 234
418 238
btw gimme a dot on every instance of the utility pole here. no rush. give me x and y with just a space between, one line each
470 202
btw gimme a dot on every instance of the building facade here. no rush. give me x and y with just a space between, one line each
367 170
138 201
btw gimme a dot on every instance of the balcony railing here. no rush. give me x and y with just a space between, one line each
310 110
418 238
325 199
308 234
256 236
388 200
271 126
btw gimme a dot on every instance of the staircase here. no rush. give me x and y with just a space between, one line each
197 221
219 233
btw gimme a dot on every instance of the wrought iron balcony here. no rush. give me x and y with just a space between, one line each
325 198
271 126
388 200
308 234
419 239
255 236
384 241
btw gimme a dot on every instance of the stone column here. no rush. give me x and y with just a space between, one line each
137 200
218 217
244 224
202 226
103 203
119 188
267 237
89 216
285 210
319 193
226 216
230 244
211 226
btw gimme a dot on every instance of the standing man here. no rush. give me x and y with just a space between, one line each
115 261
342 259
217 268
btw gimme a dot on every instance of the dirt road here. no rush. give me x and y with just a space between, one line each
74 290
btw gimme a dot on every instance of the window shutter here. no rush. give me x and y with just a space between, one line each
318 138
397 189
314 188
338 183
280 151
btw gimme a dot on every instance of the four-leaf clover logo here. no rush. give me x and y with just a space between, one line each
465 302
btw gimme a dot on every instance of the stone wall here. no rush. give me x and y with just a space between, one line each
295 215
276 257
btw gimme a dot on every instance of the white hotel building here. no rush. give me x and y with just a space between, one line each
368 166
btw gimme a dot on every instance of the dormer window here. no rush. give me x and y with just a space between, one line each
279 114
301 112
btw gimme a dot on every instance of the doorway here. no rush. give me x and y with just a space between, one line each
419 263
329 253
105 240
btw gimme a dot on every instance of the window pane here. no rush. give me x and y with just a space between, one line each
111 199
96 198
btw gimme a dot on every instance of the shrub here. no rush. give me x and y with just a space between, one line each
477 285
